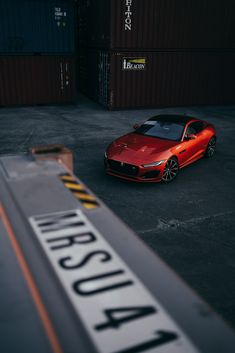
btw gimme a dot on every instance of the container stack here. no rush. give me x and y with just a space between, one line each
138 53
37 45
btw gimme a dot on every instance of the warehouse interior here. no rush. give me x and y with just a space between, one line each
82 72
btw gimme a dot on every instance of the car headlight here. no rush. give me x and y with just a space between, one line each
153 164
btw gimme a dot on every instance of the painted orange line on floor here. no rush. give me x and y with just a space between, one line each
32 285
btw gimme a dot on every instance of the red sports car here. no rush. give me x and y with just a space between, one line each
158 148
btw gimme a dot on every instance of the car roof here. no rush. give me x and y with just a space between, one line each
174 118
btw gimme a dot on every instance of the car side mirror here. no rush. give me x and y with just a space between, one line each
136 126
191 137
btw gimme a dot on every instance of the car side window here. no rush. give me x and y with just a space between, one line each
190 130
194 128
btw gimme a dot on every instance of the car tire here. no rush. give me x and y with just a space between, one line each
211 148
171 170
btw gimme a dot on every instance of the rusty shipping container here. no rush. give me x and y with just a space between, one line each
33 26
157 24
152 79
28 80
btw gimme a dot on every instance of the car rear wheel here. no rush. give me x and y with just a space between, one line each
211 148
171 170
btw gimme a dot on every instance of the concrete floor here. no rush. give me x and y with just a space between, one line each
190 223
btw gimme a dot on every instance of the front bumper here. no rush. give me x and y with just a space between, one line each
133 172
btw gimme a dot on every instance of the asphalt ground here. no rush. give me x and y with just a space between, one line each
190 222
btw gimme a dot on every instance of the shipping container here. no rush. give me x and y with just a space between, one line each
157 24
152 79
28 80
33 26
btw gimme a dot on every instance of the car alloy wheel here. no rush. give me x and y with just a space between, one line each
171 170
211 148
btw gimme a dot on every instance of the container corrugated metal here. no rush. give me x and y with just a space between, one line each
29 80
32 26
94 23
151 79
157 24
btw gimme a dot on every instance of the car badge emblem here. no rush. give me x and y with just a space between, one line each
122 164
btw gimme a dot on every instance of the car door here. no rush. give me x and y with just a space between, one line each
191 150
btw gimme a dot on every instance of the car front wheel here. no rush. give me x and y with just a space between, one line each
171 170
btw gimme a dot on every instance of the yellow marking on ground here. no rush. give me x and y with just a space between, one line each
89 205
74 186
84 196
87 200
67 178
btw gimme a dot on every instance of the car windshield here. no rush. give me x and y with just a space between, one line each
163 129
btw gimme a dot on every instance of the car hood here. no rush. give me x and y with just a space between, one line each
134 148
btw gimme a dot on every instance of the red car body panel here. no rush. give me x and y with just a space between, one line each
135 150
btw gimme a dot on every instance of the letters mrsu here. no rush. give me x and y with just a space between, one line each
116 308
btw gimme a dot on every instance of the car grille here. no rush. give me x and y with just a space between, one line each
152 174
123 168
